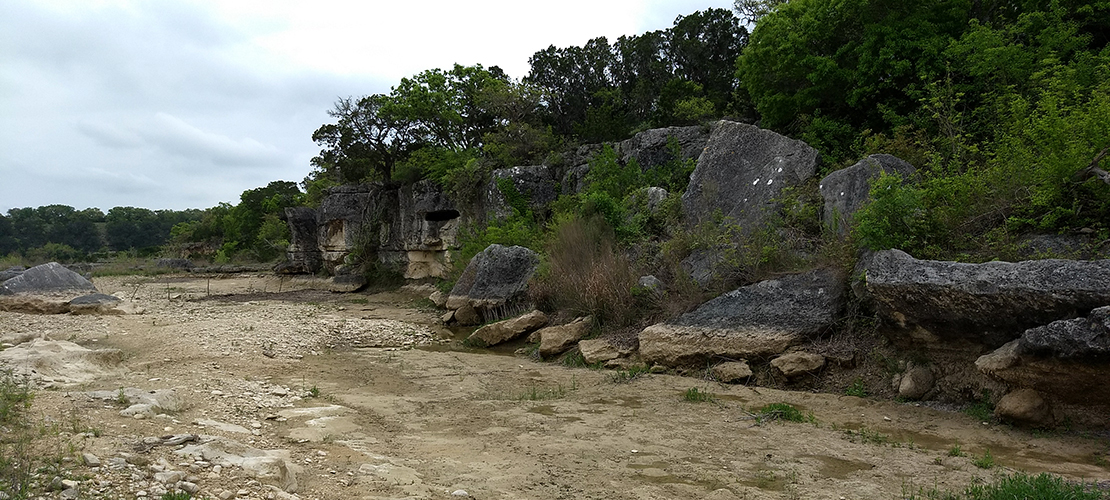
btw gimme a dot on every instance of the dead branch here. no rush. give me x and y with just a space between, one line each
1093 169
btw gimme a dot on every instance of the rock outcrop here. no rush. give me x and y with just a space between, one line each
742 173
494 281
755 321
412 227
989 303
847 190
1060 359
50 278
535 184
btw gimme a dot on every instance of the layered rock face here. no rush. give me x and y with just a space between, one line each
989 303
413 226
756 321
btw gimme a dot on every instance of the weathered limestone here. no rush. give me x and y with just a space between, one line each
504 331
1025 407
494 281
597 351
847 190
555 340
50 278
742 173
759 320
535 183
989 303
796 364
731 372
916 382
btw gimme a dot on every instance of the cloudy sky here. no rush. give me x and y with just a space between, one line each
185 104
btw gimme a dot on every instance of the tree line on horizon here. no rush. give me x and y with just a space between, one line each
1003 105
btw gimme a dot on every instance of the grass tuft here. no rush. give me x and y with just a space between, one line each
695 395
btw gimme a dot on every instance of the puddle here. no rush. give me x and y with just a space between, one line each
547 410
657 476
839 468
653 465
927 441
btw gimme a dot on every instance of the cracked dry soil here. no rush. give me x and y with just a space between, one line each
370 398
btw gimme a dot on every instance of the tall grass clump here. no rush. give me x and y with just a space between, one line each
17 435
587 274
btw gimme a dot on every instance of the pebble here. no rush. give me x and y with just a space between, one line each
90 459
460 493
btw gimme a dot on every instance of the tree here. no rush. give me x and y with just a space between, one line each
704 47
365 142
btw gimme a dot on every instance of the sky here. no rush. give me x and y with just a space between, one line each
187 103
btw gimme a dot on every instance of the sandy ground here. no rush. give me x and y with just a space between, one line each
370 398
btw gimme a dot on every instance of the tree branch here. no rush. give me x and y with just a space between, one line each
1093 170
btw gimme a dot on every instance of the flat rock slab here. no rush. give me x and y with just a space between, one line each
990 303
59 363
759 320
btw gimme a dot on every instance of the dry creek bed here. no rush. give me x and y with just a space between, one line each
356 396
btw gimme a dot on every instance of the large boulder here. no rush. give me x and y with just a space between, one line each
742 173
652 148
1025 407
504 331
10 273
847 190
989 303
536 184
760 320
495 280
303 255
47 279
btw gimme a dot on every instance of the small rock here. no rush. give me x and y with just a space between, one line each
225 494
796 364
731 372
460 493
190 488
916 382
1025 406
90 459
70 494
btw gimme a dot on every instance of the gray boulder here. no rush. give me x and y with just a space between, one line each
989 303
742 173
1080 338
10 273
303 254
847 190
535 183
51 278
495 279
759 320
652 148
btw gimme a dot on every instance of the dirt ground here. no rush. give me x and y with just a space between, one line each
371 398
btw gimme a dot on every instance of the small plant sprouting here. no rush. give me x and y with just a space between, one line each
984 462
695 395
865 435
856 389
177 495
632 373
122 398
955 451
781 411
314 391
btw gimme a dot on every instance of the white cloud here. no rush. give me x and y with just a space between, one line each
178 104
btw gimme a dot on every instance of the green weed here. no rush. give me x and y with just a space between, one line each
955 451
695 395
781 411
1018 486
982 410
856 389
984 462
630 374
867 436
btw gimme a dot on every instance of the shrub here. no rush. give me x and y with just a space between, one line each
586 273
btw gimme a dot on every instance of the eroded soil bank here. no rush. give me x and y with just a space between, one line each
369 399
